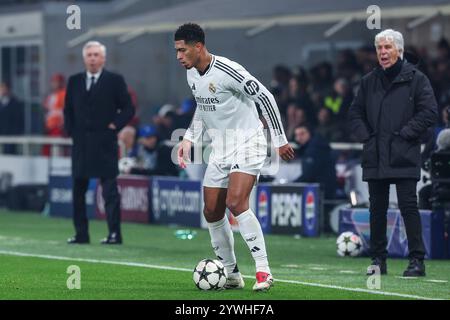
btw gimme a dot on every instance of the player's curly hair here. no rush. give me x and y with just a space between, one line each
190 33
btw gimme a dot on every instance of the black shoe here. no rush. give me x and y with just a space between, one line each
380 263
113 238
416 268
78 240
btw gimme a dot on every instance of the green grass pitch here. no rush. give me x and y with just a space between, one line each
153 264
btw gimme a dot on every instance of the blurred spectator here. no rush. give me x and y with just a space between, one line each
279 86
11 116
430 138
298 86
185 113
445 116
339 100
412 55
152 158
54 106
127 137
328 127
366 58
280 77
443 49
135 121
321 82
296 116
318 164
165 121
444 104
439 70
347 65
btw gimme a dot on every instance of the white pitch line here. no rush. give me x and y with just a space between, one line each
436 281
384 293
290 266
128 264
151 266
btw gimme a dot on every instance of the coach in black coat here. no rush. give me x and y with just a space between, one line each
97 107
390 118
394 107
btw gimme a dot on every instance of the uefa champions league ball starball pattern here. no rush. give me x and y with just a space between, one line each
349 244
210 274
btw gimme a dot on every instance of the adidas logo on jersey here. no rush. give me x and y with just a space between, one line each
193 87
235 167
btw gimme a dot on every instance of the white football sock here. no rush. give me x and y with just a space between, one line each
252 233
222 241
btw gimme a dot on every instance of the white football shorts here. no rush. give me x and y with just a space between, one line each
248 158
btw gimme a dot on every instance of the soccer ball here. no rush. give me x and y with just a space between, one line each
349 244
210 275
126 164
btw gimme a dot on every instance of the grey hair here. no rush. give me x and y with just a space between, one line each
94 44
394 36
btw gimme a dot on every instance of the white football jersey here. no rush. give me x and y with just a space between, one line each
226 95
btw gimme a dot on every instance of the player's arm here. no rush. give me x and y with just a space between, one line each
193 135
257 92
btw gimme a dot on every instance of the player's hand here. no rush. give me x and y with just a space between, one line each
184 153
286 152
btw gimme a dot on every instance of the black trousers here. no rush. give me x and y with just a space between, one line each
407 202
111 196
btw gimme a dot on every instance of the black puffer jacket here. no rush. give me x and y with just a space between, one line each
389 118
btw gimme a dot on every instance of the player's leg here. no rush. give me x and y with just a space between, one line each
215 204
222 239
239 189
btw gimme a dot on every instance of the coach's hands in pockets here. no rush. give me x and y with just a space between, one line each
184 153
286 152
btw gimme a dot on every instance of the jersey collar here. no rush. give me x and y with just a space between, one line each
211 64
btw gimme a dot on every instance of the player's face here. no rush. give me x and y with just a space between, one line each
187 54
387 53
94 59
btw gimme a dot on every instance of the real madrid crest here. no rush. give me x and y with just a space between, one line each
212 88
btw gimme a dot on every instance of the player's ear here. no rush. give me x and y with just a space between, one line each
198 46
